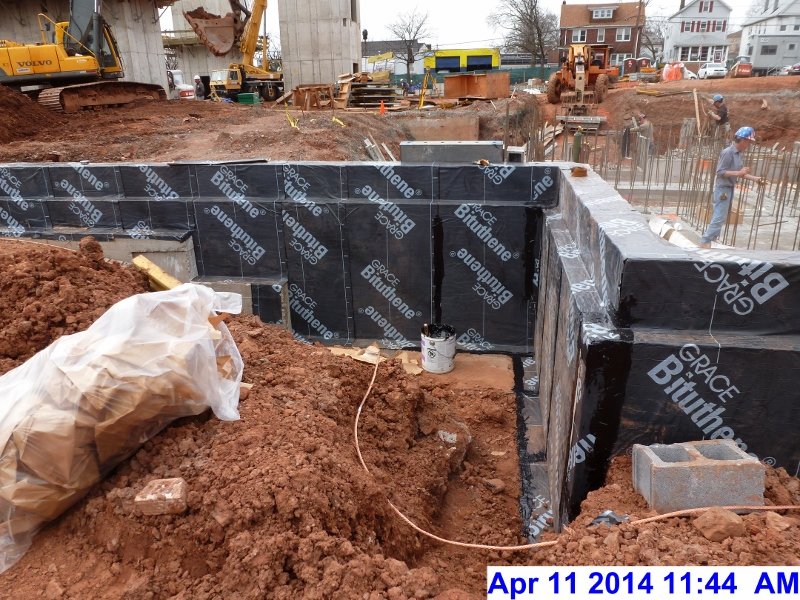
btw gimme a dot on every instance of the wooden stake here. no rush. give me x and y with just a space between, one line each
697 111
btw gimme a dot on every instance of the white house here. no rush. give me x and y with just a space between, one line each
772 39
697 33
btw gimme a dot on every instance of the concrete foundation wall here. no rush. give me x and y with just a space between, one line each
320 40
624 318
134 24
462 127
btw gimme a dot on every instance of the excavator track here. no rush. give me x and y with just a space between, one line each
74 98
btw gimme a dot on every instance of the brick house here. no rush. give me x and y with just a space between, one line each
618 24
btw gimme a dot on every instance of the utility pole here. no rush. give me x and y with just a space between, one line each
638 30
364 35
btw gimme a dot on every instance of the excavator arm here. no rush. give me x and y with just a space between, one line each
221 33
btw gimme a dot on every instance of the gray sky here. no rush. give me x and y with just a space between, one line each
462 23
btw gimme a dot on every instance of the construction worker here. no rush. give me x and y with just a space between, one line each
199 88
645 129
404 85
729 169
577 145
719 113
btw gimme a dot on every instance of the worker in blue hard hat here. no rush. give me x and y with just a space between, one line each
719 112
729 168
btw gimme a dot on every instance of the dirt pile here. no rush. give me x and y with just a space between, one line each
193 130
21 117
769 104
675 541
188 130
48 292
278 503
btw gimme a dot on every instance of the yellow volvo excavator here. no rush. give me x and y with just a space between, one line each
76 65
221 34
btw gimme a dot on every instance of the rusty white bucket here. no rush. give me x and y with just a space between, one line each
438 348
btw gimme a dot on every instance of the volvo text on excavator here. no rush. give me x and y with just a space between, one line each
77 64
221 34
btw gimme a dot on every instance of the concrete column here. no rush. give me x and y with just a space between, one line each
320 39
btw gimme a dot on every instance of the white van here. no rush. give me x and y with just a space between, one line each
179 89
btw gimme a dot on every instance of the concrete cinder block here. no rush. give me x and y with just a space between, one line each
162 497
695 474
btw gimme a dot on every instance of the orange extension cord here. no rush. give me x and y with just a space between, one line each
679 513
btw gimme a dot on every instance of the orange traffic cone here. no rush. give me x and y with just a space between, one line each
383 108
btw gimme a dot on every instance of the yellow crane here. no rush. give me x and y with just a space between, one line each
220 34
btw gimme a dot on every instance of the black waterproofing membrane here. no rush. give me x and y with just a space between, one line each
640 342
368 251
635 341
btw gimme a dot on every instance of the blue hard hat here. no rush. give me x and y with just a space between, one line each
745 133
718 98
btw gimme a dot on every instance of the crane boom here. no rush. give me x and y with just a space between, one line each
249 39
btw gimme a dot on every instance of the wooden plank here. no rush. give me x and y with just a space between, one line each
159 279
388 152
284 97
697 111
375 145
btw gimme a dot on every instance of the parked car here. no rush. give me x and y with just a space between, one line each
794 69
784 70
179 89
711 71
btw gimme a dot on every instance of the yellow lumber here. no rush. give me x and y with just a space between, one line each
159 279
697 112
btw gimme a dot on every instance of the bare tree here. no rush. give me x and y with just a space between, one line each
409 28
528 27
653 35
757 7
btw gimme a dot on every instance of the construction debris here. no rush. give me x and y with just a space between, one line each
162 497
314 96
159 279
372 354
75 410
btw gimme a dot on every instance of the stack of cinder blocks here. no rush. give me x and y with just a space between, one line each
697 474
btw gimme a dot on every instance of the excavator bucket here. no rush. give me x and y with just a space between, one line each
219 34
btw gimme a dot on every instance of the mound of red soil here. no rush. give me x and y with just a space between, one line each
47 292
675 541
21 117
279 505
